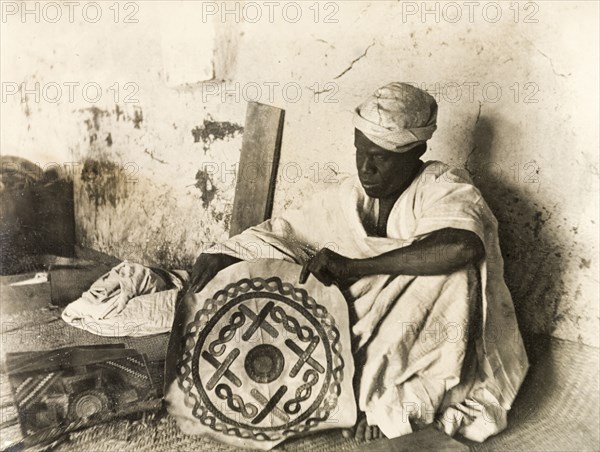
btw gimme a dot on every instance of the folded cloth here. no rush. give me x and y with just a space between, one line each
129 300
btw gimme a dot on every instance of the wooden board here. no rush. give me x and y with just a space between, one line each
255 185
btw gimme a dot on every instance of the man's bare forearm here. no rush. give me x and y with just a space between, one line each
441 252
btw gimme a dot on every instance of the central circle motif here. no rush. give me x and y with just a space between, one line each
264 363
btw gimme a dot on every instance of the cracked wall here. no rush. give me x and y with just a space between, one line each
154 180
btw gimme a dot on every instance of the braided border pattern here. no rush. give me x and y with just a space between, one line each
211 306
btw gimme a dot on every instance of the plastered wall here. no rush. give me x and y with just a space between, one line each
154 165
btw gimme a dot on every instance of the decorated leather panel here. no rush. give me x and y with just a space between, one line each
261 358
57 391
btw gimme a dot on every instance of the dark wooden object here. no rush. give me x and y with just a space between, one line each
257 172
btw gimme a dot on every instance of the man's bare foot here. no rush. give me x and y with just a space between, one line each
363 431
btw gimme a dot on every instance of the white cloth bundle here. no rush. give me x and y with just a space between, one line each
129 300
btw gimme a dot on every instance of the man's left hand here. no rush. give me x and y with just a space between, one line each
328 267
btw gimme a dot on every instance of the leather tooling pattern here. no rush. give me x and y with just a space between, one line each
261 360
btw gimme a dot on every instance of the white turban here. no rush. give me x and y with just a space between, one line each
397 117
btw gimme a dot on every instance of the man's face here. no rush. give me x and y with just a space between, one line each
383 173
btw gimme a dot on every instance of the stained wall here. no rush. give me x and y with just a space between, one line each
154 162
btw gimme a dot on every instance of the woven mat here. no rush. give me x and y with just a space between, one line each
45 330
557 407
160 433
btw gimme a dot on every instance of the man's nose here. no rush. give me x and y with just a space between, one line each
366 166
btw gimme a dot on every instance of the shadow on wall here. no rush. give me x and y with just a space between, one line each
533 266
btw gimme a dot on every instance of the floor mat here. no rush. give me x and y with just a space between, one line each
557 408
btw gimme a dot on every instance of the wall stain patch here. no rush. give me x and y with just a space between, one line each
118 112
94 122
206 186
138 118
212 130
104 182
538 223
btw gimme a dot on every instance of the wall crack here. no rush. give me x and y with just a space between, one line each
355 61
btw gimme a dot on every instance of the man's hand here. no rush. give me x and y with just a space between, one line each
328 267
206 267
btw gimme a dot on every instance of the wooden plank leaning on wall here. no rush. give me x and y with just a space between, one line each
257 172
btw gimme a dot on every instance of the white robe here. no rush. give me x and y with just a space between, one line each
414 329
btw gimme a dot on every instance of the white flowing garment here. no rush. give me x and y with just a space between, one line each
404 379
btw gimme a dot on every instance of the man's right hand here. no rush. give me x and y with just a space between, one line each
206 267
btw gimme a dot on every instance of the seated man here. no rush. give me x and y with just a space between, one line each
414 248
